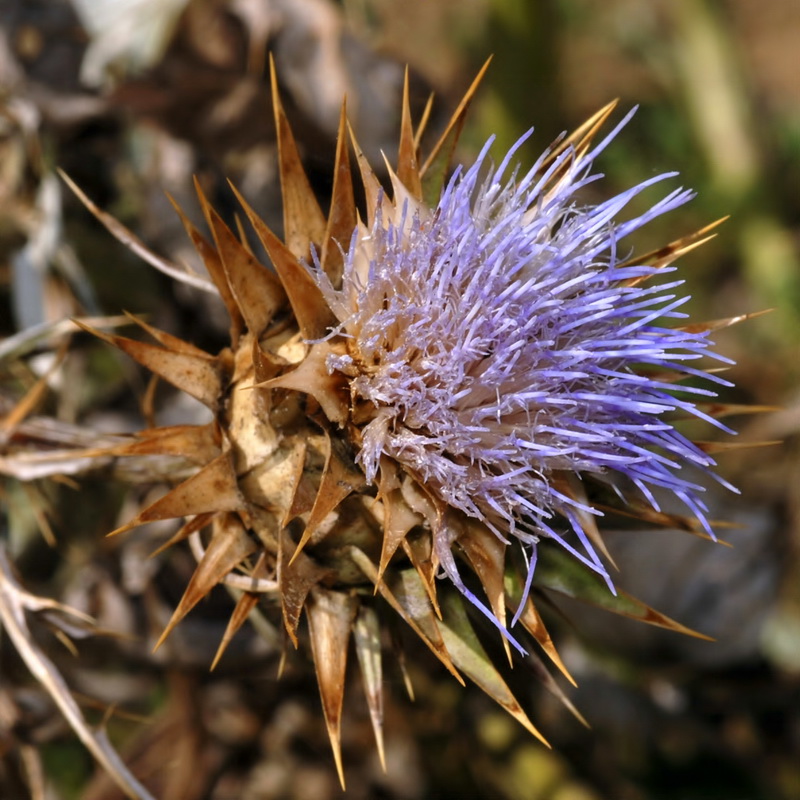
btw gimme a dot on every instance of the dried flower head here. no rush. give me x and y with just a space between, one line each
458 385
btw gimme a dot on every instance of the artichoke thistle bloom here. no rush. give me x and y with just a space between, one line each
498 339
456 386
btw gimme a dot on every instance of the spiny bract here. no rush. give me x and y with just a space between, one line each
473 372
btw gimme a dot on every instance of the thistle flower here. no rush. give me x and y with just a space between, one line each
497 342
458 385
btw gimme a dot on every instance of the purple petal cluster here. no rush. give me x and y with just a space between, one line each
505 344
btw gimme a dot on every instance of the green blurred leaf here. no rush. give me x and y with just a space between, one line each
558 572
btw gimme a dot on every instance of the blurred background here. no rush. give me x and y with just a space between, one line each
132 98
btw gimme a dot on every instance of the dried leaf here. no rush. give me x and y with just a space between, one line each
419 550
533 623
579 142
720 410
245 605
719 324
14 601
376 197
38 505
664 256
184 532
31 399
726 447
398 517
572 486
198 443
546 679
486 553
135 245
679 522
167 340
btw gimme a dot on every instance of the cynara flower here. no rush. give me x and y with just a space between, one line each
500 338
410 395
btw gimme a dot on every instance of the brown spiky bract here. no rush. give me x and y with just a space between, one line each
278 505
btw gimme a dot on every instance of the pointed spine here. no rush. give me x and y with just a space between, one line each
433 172
342 216
198 376
303 220
312 313
213 489
330 618
258 292
213 265
407 166
230 544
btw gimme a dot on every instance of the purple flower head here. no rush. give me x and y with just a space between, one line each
504 342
